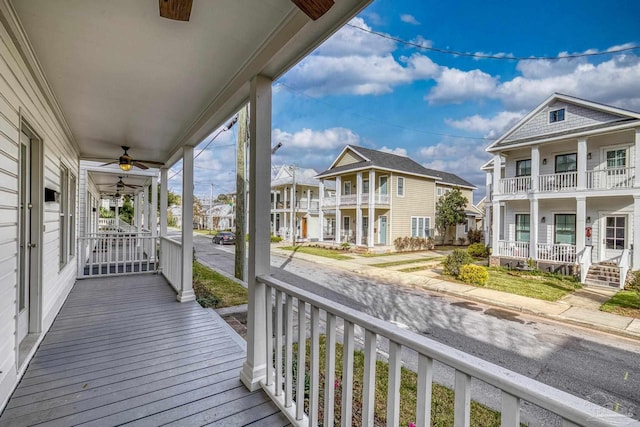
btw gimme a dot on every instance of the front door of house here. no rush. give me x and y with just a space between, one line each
382 232
304 227
613 229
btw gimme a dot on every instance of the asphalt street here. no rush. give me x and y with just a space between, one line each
598 367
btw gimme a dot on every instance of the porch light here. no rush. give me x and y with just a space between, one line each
588 219
125 162
543 220
544 161
589 156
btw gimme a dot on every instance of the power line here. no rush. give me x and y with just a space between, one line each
489 56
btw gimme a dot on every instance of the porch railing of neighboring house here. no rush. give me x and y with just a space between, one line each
558 181
518 184
584 260
558 252
328 202
328 315
611 178
513 249
114 253
624 264
348 199
171 261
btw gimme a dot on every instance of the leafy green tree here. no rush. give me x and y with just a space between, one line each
126 211
450 211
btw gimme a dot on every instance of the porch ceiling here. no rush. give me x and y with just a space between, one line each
105 181
121 75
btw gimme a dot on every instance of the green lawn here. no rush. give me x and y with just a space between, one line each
442 400
544 286
373 255
625 303
213 290
327 253
403 262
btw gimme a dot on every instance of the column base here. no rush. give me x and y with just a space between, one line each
251 377
186 296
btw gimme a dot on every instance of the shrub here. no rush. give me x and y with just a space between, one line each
462 241
474 274
345 246
457 259
276 239
475 236
633 281
478 250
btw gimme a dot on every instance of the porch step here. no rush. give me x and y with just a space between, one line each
607 275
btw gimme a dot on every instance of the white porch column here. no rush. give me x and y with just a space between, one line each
147 207
308 199
636 162
338 229
487 224
186 286
359 209
535 167
533 227
636 234
137 214
164 200
153 212
496 227
320 211
372 208
254 368
497 171
292 213
285 223
117 213
582 166
581 215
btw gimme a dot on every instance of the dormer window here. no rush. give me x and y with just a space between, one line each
556 115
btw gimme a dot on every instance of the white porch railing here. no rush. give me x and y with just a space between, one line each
611 178
113 224
348 199
584 259
105 254
513 249
624 264
171 261
279 381
518 184
556 252
558 181
328 202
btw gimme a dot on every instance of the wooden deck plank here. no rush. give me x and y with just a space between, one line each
276 418
123 350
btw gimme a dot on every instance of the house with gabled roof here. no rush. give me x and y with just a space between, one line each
563 190
381 196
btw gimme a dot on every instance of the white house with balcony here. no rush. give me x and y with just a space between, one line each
564 191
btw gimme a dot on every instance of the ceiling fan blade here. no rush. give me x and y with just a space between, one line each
139 165
151 162
314 9
133 186
110 163
179 10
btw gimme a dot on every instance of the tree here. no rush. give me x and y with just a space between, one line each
450 211
126 211
199 216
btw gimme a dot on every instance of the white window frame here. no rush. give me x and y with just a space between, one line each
346 185
439 191
366 188
400 189
425 230
564 115
63 232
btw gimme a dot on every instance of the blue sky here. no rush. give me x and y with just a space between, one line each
441 110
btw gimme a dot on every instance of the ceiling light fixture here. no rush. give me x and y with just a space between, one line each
125 162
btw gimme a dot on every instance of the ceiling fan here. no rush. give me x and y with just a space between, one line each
127 162
120 185
180 10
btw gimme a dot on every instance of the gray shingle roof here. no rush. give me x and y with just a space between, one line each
382 160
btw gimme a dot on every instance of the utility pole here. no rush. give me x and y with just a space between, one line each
211 210
241 194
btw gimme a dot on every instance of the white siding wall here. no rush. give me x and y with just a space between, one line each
20 96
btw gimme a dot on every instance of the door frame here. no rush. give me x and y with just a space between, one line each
36 231
602 230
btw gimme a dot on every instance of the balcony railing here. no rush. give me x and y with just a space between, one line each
518 184
348 199
114 253
283 300
351 199
611 178
558 181
558 252
513 249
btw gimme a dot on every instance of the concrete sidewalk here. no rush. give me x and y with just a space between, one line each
579 308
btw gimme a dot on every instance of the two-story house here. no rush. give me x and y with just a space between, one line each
295 200
564 190
382 196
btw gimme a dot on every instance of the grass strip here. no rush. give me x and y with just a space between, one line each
625 303
324 252
213 290
402 262
540 285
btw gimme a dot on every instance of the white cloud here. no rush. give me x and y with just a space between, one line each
421 41
327 139
409 19
456 86
491 127
398 151
349 41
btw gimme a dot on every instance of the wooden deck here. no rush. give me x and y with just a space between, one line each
123 351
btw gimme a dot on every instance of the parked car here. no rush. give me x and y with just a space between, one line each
224 238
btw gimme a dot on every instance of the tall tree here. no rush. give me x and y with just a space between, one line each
450 211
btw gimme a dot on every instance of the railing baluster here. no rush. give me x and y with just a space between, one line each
330 370
347 374
269 326
314 368
278 349
302 335
393 389
510 410
288 345
425 385
369 380
462 400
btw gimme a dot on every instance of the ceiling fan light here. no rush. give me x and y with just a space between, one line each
125 163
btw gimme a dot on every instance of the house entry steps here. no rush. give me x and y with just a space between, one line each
603 275
123 350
